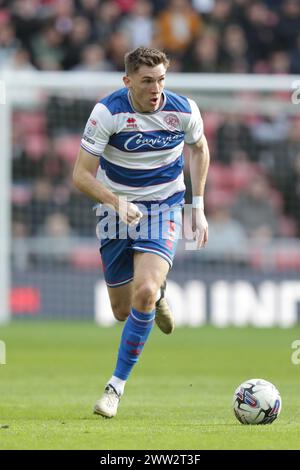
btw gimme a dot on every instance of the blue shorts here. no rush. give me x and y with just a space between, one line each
158 232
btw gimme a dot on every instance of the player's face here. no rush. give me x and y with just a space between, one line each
146 86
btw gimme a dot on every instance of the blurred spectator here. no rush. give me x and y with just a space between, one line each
117 47
234 50
126 6
47 49
57 226
9 44
233 135
227 237
269 133
81 215
79 36
289 24
27 163
55 167
259 30
26 167
220 14
203 55
57 231
66 115
88 8
295 57
20 61
254 208
204 7
64 12
18 229
158 6
291 191
139 25
285 152
279 63
93 59
177 26
54 32
108 20
40 206
27 17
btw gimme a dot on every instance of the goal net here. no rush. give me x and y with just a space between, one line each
249 271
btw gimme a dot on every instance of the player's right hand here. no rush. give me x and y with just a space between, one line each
129 212
199 227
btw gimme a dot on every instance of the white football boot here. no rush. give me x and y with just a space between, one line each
107 405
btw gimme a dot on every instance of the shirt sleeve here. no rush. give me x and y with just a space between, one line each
98 130
194 130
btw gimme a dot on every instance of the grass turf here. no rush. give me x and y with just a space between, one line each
179 395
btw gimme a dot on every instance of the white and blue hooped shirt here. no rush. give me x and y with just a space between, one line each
141 154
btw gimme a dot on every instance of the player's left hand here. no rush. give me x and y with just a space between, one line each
199 227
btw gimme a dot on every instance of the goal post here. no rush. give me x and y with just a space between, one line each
5 185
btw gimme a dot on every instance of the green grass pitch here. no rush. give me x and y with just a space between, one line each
178 397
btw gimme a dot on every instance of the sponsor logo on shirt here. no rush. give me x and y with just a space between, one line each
139 140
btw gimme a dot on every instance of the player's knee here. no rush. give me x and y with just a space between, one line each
145 295
120 312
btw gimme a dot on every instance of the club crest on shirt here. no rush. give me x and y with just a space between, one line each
172 121
91 128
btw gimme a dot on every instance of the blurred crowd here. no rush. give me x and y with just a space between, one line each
253 189
229 36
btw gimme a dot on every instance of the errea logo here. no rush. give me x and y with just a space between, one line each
131 123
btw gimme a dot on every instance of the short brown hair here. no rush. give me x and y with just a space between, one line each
144 56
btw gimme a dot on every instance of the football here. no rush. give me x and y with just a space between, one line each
256 401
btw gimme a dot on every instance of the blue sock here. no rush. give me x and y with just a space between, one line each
135 333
